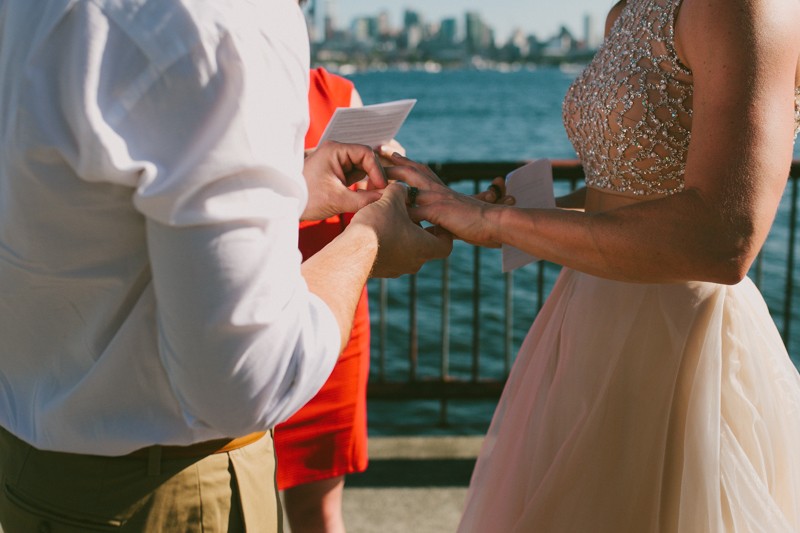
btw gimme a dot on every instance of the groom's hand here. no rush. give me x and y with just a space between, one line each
403 246
331 169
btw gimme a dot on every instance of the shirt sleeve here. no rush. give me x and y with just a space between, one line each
205 124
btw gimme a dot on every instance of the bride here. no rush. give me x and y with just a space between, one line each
653 391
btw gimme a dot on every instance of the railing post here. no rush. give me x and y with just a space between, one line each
509 322
789 292
759 270
445 336
476 306
539 286
383 311
413 334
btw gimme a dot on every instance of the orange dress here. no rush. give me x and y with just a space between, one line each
328 436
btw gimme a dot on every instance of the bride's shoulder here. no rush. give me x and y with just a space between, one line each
752 26
747 15
613 14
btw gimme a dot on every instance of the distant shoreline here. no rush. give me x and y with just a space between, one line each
433 67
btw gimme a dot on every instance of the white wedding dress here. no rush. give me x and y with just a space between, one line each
642 407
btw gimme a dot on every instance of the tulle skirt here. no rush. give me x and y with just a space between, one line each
640 408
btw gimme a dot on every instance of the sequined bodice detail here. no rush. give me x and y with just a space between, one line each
629 113
797 112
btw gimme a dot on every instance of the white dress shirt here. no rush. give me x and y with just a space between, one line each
150 190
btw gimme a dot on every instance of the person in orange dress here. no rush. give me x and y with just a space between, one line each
327 438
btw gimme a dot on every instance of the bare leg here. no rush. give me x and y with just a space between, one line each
316 507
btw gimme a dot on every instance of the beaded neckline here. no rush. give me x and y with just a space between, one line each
797 111
629 113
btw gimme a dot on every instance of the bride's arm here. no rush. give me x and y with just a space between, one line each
736 169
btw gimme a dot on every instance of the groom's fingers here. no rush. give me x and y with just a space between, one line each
355 162
355 200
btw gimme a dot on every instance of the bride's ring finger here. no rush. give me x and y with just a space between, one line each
420 167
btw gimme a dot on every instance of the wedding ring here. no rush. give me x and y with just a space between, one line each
498 192
412 196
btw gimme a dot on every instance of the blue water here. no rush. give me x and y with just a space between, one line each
477 115
489 116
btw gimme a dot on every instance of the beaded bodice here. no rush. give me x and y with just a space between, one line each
629 114
796 112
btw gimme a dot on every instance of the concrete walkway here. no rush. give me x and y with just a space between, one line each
413 484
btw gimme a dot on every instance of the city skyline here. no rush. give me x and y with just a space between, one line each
505 16
374 40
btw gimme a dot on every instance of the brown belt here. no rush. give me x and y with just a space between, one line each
200 449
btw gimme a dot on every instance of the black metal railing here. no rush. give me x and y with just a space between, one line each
460 372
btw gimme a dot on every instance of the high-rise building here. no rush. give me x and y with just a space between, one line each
590 39
411 19
479 35
311 21
448 31
384 25
413 36
519 41
330 19
360 30
374 28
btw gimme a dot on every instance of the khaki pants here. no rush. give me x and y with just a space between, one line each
60 492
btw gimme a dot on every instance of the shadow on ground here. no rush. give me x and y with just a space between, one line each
411 473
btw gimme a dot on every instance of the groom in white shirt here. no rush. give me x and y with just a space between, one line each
155 317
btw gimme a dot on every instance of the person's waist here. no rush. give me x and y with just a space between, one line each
191 451
199 449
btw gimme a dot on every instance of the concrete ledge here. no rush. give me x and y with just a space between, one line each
449 447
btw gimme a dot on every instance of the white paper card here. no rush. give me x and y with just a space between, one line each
532 187
372 125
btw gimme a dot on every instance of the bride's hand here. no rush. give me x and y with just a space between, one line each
495 193
462 215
